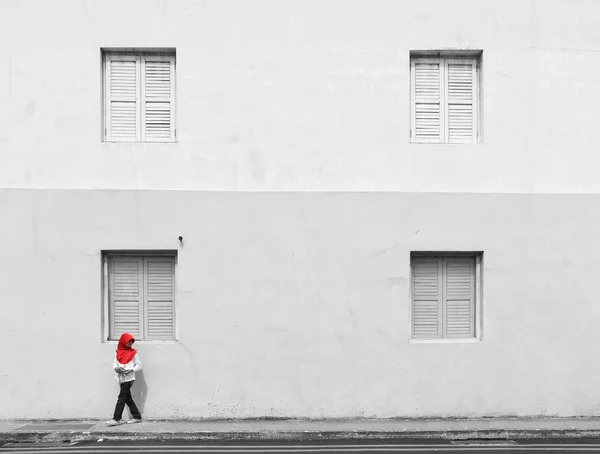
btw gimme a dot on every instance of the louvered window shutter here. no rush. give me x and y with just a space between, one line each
122 95
158 88
461 106
125 293
159 293
427 297
427 93
459 297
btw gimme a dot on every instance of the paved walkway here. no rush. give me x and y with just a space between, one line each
308 428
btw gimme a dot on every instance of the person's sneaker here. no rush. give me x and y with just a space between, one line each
113 422
134 420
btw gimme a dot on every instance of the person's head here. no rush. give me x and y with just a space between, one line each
126 340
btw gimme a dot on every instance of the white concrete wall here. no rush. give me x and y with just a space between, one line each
302 95
297 305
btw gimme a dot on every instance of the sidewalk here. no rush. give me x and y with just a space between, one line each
490 428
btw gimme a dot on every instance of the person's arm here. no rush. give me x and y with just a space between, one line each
117 367
137 364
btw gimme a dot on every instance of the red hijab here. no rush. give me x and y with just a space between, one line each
125 353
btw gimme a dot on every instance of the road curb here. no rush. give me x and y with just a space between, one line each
302 436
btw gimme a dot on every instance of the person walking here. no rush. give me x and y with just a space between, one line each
125 364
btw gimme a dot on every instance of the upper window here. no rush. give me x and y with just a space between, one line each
140 294
139 96
444 98
445 295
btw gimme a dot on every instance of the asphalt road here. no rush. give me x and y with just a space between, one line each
387 446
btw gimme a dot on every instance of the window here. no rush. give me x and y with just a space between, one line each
140 294
445 98
445 295
139 97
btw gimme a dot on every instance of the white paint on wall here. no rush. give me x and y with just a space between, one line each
307 95
300 199
297 305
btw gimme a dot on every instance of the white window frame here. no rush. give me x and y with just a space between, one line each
140 57
478 256
443 61
106 310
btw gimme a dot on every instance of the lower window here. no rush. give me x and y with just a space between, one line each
445 295
140 294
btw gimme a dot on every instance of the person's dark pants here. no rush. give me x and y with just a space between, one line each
125 398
